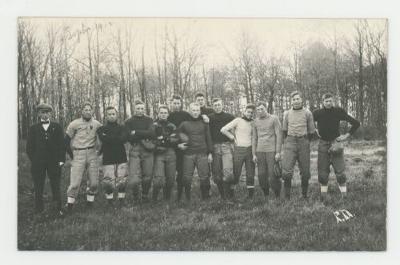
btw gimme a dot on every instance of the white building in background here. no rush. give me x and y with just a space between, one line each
242 102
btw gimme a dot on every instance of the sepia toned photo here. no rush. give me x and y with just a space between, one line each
202 134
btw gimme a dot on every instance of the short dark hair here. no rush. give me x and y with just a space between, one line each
111 108
87 104
139 102
327 95
194 104
216 99
261 103
199 95
250 106
295 93
177 97
162 106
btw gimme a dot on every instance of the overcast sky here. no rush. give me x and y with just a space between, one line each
218 37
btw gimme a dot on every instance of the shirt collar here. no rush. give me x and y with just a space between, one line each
86 120
246 119
265 117
297 108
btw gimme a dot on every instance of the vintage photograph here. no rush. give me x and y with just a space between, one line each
202 134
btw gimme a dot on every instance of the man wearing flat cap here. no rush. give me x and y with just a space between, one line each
46 151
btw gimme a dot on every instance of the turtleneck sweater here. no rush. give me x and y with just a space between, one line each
199 136
113 136
298 122
217 121
143 127
328 121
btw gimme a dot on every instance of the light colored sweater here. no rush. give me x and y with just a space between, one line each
267 134
241 129
298 122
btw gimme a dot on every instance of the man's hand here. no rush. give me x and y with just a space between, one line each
233 139
160 137
255 160
133 132
70 153
210 158
182 146
205 118
277 157
343 137
60 163
317 133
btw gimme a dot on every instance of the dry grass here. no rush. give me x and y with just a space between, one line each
214 225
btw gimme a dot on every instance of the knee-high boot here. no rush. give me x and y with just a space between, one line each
287 188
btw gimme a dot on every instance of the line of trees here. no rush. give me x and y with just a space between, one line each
105 64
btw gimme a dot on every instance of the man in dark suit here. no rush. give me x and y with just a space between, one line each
46 151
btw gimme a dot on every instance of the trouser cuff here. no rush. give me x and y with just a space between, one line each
343 188
324 188
71 200
90 198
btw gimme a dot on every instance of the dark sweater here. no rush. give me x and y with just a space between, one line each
206 111
46 146
199 136
217 121
143 127
177 117
113 136
167 130
328 121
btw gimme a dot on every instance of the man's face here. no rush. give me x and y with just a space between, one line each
261 111
328 103
201 101
139 109
87 112
195 111
163 114
218 106
176 105
44 115
297 102
248 113
111 115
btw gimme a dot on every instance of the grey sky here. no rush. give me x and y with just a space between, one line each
216 36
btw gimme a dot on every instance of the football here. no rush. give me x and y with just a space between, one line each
183 138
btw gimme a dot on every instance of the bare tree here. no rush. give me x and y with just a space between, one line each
68 65
246 63
122 89
183 62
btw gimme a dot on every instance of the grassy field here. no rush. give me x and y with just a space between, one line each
214 225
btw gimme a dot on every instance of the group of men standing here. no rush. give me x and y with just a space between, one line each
170 148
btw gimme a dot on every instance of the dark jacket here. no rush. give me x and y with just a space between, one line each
143 127
113 136
217 121
177 117
46 146
199 136
166 130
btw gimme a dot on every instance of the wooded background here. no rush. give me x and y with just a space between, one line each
99 62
